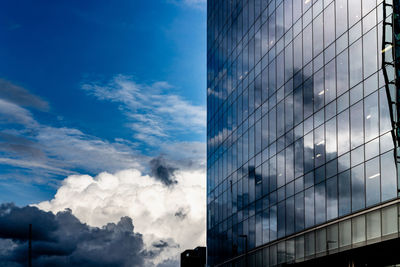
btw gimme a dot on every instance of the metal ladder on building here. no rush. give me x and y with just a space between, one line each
390 68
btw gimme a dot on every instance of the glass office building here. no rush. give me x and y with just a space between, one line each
301 129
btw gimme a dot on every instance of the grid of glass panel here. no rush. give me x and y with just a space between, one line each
298 125
376 226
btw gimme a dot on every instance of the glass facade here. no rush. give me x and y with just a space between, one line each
298 127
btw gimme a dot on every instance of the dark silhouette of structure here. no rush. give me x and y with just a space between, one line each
194 257
30 246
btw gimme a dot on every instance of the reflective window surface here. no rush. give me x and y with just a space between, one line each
298 125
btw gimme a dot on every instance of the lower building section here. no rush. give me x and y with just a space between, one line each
367 238
385 253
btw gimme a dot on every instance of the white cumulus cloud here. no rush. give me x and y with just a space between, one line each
174 214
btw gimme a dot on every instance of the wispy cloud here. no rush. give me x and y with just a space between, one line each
26 143
155 112
201 4
46 150
14 114
63 151
20 96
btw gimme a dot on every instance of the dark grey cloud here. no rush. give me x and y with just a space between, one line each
181 214
20 96
162 171
62 240
160 244
20 146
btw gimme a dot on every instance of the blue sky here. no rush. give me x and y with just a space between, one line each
96 85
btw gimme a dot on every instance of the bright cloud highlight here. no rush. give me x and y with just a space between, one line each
171 214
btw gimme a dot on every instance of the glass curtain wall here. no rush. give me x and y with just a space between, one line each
298 124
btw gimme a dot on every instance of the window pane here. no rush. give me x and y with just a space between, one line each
342 73
289 112
370 53
318 34
300 247
280 70
344 162
264 131
319 146
341 17
320 208
320 240
308 98
281 168
309 244
307 44
319 90
265 225
281 219
298 53
355 53
388 176
299 203
258 232
368 5
273 223
329 25
273 255
298 105
272 174
298 150
289 155
374 225
308 152
358 227
309 207
373 192
371 117
345 233
372 149
354 11
385 122
357 187
290 216
288 62
343 132
330 145
357 125
332 200
389 220
279 22
330 81
386 142
272 125
332 236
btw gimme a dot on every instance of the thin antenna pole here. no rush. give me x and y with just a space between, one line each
30 246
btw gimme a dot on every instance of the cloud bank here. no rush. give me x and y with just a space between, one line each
174 214
62 240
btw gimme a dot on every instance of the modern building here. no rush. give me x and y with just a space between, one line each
194 257
302 132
